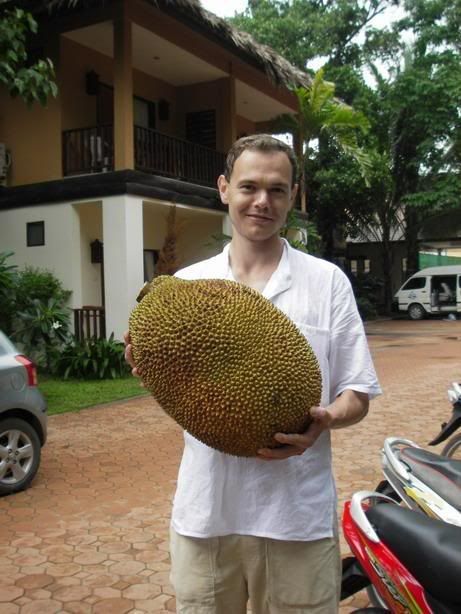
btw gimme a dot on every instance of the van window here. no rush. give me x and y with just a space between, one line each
415 283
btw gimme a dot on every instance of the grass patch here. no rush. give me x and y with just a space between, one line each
72 395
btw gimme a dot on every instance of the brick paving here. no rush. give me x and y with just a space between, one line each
91 534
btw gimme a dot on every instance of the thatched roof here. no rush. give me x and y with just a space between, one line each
279 71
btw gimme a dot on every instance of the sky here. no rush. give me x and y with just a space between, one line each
224 8
227 8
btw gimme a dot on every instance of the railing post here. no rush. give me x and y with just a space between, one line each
89 323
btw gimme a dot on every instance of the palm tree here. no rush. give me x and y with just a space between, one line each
320 113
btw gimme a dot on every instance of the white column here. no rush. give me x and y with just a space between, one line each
123 259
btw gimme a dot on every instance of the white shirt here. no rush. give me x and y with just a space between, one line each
293 499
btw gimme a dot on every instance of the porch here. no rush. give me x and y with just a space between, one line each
91 150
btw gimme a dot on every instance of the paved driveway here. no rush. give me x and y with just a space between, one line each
91 534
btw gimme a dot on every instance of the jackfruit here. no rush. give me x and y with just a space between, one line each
227 365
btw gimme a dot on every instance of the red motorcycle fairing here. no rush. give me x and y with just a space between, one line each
402 593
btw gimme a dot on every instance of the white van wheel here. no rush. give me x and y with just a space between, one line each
416 311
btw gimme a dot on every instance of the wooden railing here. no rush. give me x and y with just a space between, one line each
89 150
167 155
89 322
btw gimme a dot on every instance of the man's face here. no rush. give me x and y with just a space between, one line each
259 194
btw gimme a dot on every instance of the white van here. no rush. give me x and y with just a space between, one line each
434 290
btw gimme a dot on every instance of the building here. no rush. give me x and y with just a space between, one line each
439 243
151 95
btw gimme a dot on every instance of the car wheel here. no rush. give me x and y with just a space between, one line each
416 311
20 451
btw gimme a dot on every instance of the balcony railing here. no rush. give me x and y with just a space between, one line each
90 150
166 155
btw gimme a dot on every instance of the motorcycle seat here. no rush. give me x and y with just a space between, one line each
440 473
430 549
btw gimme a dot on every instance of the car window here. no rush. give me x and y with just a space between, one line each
415 283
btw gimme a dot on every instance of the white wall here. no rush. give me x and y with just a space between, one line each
195 227
125 225
61 252
90 229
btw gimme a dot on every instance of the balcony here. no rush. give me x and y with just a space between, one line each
91 150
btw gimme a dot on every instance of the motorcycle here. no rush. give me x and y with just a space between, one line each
413 561
453 446
422 480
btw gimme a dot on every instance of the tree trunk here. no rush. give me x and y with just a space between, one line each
387 259
298 146
412 224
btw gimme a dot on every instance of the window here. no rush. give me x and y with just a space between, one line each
360 266
415 283
35 234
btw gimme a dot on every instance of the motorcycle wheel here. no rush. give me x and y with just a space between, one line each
453 447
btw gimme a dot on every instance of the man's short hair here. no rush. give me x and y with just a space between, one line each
265 143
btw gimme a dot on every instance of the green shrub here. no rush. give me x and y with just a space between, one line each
33 310
93 359
7 294
367 290
367 309
301 233
38 284
41 330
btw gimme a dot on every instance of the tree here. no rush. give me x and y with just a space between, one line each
414 111
305 29
320 114
430 119
301 30
168 259
33 82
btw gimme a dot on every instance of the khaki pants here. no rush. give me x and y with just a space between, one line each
218 575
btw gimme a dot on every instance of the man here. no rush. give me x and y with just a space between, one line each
264 528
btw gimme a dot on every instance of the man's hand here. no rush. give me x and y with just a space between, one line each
294 445
129 355
348 408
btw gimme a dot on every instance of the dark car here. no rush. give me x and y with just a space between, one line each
23 419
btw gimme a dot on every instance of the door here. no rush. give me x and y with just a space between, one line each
415 290
443 292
